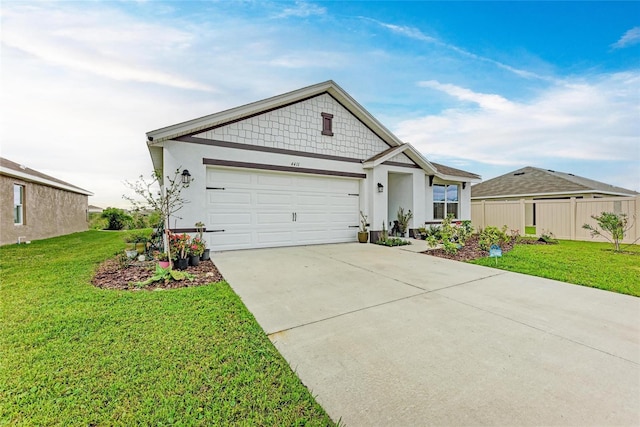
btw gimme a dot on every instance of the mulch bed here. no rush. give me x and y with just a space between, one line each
112 275
471 250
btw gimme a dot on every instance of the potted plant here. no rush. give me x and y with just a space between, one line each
196 248
403 220
205 253
163 259
132 243
179 244
363 233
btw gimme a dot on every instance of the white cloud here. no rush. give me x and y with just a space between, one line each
302 10
416 34
595 120
629 38
103 42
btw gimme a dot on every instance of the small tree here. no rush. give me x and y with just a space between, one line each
117 219
613 227
166 202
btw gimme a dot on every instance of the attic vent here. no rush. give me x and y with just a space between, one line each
571 174
23 167
550 170
518 173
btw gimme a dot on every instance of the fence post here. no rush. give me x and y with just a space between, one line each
523 216
637 218
572 218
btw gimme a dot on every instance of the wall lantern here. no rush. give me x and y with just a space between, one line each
380 188
186 177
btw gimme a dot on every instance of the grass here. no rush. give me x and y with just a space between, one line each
591 264
72 354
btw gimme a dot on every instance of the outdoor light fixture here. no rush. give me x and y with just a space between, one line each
380 188
186 177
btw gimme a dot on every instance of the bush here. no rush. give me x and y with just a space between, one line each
492 236
452 236
614 227
117 219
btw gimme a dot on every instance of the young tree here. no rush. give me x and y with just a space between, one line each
167 201
613 227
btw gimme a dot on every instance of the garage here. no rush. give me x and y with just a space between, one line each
256 209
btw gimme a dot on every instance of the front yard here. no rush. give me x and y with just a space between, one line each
73 354
583 263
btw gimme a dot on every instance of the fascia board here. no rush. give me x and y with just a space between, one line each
39 180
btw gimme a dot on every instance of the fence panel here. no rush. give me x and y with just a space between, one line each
563 218
554 216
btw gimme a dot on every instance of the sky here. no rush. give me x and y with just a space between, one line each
487 87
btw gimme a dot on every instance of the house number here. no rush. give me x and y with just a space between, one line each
295 163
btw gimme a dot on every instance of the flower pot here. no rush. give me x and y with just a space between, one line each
142 258
164 264
131 254
363 236
194 260
205 255
181 263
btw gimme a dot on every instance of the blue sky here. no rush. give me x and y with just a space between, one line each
488 87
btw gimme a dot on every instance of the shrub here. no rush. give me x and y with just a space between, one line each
492 236
614 227
451 235
117 219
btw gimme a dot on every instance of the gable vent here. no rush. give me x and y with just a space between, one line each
518 174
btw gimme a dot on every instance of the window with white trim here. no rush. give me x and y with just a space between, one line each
445 201
18 204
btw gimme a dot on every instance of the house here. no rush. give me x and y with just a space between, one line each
533 199
537 184
94 209
297 169
38 206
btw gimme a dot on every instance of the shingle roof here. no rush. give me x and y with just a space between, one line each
15 169
448 170
530 181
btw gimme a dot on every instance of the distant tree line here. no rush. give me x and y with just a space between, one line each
120 219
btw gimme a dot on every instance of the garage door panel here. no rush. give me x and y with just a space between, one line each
275 237
273 180
270 199
271 219
227 177
256 209
231 219
229 198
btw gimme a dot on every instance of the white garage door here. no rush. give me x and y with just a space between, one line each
259 209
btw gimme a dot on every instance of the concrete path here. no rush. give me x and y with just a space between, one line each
387 336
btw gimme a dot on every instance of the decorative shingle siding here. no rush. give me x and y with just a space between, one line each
299 127
402 158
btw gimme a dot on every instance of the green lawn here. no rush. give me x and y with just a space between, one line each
72 354
583 263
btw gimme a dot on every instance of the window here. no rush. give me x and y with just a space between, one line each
445 201
18 204
327 125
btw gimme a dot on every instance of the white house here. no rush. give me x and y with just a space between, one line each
298 168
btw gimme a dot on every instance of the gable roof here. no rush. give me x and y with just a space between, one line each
530 181
202 124
155 138
441 171
9 168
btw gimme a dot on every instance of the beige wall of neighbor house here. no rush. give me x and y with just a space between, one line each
564 218
48 211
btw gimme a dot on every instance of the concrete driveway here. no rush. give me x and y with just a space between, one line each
386 336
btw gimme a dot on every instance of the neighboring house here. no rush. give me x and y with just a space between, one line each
537 188
538 184
94 209
297 169
38 206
